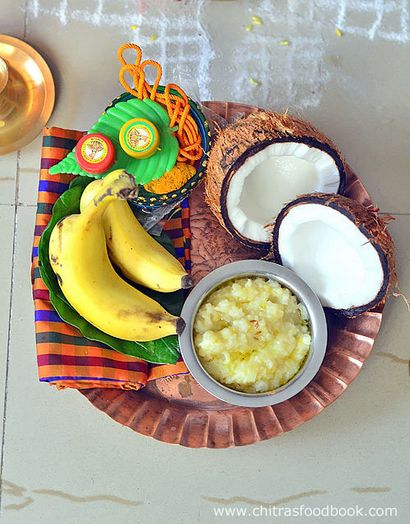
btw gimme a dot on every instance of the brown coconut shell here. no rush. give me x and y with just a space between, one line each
367 220
245 137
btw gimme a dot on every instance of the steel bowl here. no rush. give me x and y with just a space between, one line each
287 278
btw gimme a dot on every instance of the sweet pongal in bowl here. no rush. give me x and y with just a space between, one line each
252 334
255 333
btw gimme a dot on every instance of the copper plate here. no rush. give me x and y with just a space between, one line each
178 411
27 100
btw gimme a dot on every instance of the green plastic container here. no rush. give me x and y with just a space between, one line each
147 200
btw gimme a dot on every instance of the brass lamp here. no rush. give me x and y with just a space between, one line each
26 94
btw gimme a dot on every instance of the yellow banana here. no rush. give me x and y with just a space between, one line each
79 257
140 258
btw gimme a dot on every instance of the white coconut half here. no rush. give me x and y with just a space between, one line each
261 162
341 249
270 178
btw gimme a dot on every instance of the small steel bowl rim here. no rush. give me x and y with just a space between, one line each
287 278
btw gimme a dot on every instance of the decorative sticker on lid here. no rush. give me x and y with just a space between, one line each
95 153
94 149
139 138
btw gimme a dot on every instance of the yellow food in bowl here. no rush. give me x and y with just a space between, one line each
251 334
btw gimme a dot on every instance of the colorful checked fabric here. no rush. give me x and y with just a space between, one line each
65 358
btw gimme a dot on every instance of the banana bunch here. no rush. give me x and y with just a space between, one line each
79 257
140 258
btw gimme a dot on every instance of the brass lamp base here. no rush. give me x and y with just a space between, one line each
26 94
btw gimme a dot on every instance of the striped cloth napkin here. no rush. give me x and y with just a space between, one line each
65 358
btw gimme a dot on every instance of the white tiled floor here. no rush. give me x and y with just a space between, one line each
29 162
64 461
8 179
7 213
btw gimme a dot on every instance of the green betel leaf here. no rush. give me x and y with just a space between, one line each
162 351
110 123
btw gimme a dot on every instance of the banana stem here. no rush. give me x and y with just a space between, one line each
117 184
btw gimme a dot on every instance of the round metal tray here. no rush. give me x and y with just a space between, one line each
178 411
